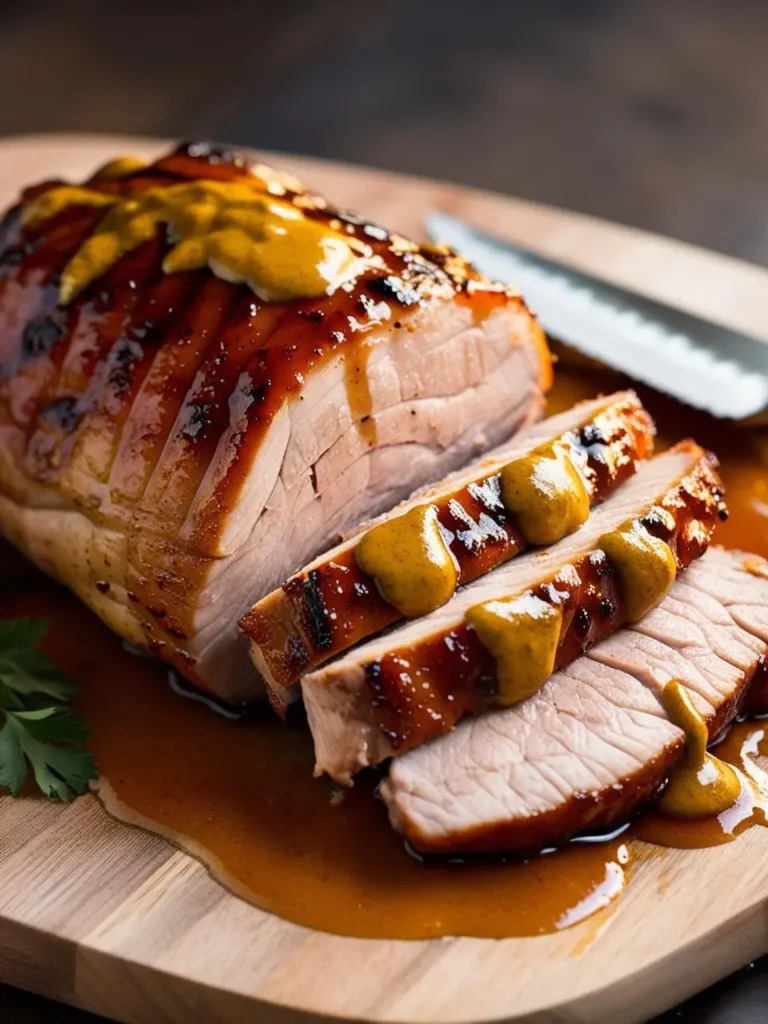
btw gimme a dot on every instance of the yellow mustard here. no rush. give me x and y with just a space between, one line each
410 561
702 786
522 633
240 233
121 167
645 564
546 494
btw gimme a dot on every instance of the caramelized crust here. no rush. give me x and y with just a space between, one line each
332 605
143 404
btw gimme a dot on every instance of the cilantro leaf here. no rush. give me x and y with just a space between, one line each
39 731
25 670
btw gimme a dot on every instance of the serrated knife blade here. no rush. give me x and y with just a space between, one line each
695 360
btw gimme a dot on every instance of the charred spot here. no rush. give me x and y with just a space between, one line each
659 522
581 621
199 418
175 631
10 259
157 611
63 414
316 316
317 612
548 592
141 330
296 653
590 434
102 586
392 287
722 513
125 354
606 607
600 563
374 671
39 337
132 597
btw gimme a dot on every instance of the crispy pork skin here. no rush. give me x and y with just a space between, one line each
595 741
418 681
172 447
333 604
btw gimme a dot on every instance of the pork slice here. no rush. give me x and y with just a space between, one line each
172 447
331 604
595 741
417 682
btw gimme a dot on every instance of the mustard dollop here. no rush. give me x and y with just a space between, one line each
522 633
702 786
546 494
645 564
410 561
239 232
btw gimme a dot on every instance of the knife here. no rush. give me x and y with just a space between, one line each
697 361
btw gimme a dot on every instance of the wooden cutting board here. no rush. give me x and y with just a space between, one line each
115 920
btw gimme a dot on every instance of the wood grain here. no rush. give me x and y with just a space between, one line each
115 920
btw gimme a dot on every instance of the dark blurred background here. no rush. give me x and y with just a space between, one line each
650 112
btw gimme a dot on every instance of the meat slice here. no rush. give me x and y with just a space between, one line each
595 741
417 682
333 604
173 444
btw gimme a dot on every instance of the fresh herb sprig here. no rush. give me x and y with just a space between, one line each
39 731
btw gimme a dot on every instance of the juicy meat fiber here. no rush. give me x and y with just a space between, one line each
332 604
417 682
595 741
172 447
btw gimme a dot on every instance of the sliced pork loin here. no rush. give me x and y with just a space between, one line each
415 683
333 604
172 447
595 742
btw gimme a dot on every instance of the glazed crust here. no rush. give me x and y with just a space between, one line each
131 419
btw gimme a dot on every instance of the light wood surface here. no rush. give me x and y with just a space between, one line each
116 920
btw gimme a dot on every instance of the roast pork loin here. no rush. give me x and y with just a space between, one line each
417 682
332 604
173 446
595 741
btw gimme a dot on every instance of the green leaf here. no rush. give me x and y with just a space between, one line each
32 672
22 634
24 669
13 766
39 731
61 772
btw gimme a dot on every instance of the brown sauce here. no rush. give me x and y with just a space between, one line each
240 795
744 742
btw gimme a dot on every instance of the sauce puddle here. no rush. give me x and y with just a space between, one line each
240 794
